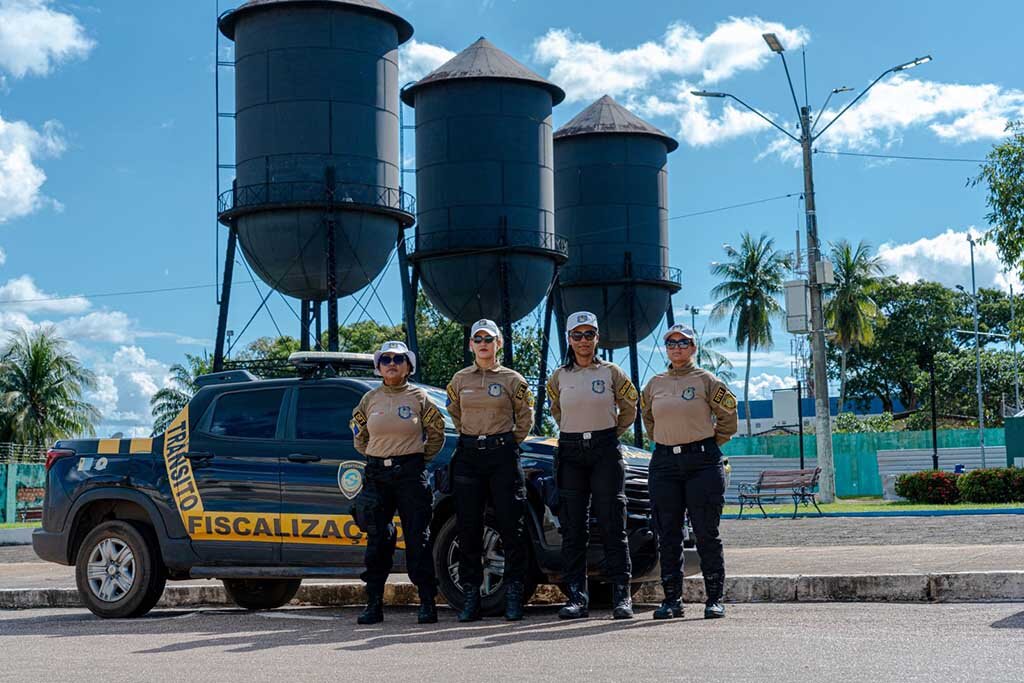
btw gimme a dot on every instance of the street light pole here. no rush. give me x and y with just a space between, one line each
1013 349
977 357
822 421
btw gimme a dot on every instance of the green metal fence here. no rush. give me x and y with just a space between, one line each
854 454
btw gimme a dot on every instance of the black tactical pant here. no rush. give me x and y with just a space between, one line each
402 487
692 479
592 472
494 475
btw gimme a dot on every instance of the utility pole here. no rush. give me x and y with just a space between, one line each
977 357
1013 350
822 420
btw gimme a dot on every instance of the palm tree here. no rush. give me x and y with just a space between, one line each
752 278
171 400
41 387
713 360
850 311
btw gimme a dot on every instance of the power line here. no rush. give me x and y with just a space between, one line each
896 156
107 294
734 206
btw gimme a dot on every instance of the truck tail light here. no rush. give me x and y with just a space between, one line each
54 454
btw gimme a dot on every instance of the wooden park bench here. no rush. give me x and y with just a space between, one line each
800 485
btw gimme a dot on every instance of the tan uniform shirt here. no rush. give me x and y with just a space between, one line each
491 401
596 397
678 406
398 420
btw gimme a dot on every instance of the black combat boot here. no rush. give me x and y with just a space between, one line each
471 603
672 605
576 606
714 587
374 611
427 613
622 602
514 601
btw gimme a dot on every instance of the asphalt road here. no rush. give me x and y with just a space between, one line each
846 642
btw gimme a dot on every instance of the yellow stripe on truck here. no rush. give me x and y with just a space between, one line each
141 446
108 446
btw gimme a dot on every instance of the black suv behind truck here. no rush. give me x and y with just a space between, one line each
252 484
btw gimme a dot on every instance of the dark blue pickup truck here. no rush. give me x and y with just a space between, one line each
252 484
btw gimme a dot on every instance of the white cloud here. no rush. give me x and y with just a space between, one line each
22 294
762 385
587 70
758 359
416 59
103 326
3 256
34 38
125 383
946 258
21 179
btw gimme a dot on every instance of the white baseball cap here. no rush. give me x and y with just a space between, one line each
684 330
485 325
580 318
395 347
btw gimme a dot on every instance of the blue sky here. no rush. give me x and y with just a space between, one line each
107 149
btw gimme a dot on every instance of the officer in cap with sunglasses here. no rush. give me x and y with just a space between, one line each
688 413
398 429
492 409
594 403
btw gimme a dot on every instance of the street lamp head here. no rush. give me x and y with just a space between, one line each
707 93
845 88
773 42
910 65
961 288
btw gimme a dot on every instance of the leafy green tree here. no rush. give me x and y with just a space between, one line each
752 279
1003 175
713 360
956 381
916 323
850 311
993 316
166 403
41 389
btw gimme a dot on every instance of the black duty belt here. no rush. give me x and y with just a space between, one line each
483 442
392 460
601 437
703 446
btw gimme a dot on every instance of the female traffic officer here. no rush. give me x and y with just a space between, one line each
492 410
688 413
397 428
593 403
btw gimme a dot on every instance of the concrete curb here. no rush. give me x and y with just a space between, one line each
19 536
880 513
920 588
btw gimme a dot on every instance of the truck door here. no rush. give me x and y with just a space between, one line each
321 473
235 456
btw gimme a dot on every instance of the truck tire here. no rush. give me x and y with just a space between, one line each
446 563
261 594
119 571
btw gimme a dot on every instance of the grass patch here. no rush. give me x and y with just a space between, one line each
20 525
868 505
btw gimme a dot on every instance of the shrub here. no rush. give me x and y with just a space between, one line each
989 485
929 486
850 423
920 421
1016 485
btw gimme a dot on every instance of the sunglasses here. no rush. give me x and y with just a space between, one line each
589 335
483 340
678 343
397 360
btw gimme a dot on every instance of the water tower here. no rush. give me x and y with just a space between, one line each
316 203
485 243
611 205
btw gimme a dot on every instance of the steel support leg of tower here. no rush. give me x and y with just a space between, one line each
556 292
225 299
545 346
467 356
304 332
670 316
332 290
318 309
634 360
408 295
506 313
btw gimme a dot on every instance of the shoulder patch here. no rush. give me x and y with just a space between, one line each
719 395
521 391
452 394
359 418
432 415
729 402
628 391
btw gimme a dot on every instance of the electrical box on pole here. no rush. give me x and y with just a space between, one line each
798 307
826 275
